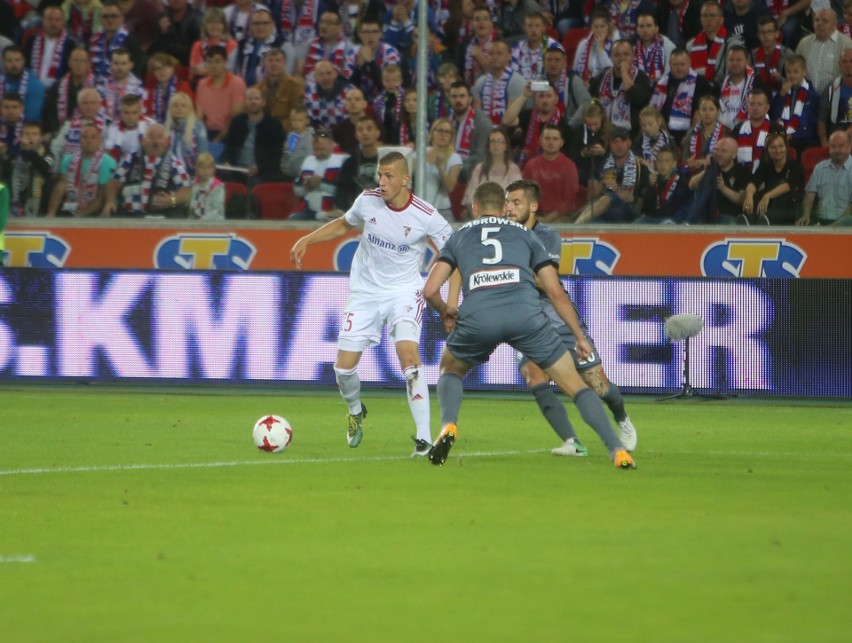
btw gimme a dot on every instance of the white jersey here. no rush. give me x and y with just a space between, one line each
393 242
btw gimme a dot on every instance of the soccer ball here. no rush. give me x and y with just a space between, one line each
272 433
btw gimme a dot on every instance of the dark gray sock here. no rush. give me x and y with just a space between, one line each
450 392
593 414
553 411
615 403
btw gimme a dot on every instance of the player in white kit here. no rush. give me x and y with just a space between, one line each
385 288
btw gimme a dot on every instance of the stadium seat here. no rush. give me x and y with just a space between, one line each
571 40
812 156
232 189
276 200
456 197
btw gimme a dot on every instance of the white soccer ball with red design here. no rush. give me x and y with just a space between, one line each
272 433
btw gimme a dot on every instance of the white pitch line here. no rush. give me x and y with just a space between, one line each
17 559
219 465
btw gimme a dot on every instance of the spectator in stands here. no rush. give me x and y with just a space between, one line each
207 201
345 132
80 187
527 123
494 90
774 194
788 15
625 18
667 197
61 100
187 133
299 144
572 91
142 20
329 45
796 106
408 124
736 87
473 54
47 52
317 182
27 174
152 182
443 167
22 81
325 96
166 85
255 141
83 18
720 189
387 106
113 35
220 95
709 49
238 19
616 194
835 113
214 33
471 128
741 17
677 93
556 174
512 16
252 51
751 133
439 100
358 172
654 137
679 20
823 49
622 89
399 22
528 52
180 27
651 50
830 185
119 83
281 91
11 123
589 142
371 56
568 14
497 166
437 54
770 57
124 136
699 144
89 111
593 53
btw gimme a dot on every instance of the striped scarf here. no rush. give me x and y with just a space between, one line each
750 144
629 173
731 101
101 49
200 192
650 146
698 147
62 111
624 21
298 29
614 101
15 141
651 59
791 114
664 191
703 55
464 135
528 61
162 98
471 65
680 117
82 25
531 146
55 60
582 65
339 56
777 6
495 95
82 189
22 84
112 93
764 67
75 127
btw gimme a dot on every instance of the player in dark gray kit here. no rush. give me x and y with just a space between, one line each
498 261
522 199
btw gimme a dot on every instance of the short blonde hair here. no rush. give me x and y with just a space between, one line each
205 158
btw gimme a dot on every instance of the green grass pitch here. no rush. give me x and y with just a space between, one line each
142 514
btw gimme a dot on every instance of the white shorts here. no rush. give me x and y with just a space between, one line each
364 317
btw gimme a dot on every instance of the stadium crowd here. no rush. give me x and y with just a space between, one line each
678 111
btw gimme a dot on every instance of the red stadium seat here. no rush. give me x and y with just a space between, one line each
276 200
571 40
232 189
812 156
456 197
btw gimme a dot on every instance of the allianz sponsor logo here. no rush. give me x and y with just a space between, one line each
387 245
487 278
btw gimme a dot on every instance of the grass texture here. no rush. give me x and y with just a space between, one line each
140 514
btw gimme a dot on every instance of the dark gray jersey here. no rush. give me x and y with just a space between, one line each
497 259
553 244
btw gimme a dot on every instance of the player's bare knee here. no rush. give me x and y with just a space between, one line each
533 375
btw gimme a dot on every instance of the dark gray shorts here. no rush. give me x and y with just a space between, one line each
570 344
525 329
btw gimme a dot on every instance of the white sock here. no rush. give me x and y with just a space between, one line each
350 388
418 402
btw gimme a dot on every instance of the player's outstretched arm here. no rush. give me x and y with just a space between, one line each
562 305
331 230
439 273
